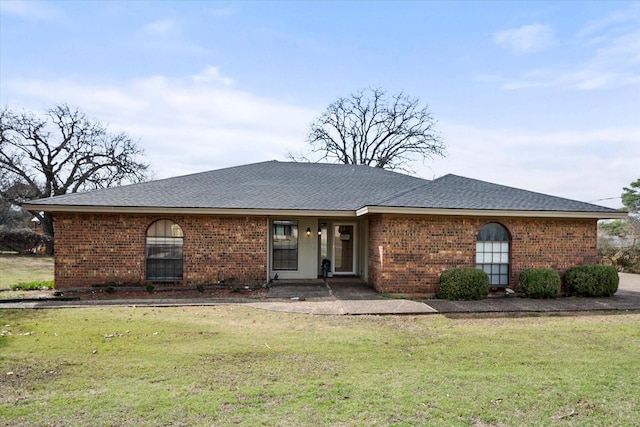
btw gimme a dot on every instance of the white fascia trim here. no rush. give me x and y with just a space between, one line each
324 213
187 211
492 213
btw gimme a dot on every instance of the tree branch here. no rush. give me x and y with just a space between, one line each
372 129
63 151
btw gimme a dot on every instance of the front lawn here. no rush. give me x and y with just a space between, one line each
233 365
16 269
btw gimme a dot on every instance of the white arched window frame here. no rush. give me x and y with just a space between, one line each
493 245
164 251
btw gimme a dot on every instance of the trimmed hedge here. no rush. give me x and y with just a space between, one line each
464 283
540 283
592 280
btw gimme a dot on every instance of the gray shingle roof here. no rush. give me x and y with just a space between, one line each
316 186
457 192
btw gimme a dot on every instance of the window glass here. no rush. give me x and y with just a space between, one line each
285 245
493 232
492 253
164 251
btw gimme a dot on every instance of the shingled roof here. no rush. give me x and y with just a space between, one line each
285 186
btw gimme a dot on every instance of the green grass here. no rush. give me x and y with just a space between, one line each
33 286
233 365
15 269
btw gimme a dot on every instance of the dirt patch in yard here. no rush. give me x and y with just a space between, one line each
8 294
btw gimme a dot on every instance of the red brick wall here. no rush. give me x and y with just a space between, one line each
376 240
96 249
233 249
416 249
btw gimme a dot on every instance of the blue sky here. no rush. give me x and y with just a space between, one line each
537 95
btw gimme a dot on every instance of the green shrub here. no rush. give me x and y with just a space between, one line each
592 280
540 282
463 283
33 286
150 288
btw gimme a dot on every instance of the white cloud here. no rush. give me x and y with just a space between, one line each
581 165
29 9
612 47
167 36
184 126
533 79
211 75
162 26
528 38
613 20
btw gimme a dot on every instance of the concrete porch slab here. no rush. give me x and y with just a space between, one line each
338 295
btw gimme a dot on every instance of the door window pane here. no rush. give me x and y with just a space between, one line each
343 246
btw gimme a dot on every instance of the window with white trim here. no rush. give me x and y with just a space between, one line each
492 253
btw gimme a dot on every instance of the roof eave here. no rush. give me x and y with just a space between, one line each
489 212
322 212
187 210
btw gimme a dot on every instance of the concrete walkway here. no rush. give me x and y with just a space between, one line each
350 298
338 298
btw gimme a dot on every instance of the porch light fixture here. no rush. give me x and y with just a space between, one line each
319 231
308 231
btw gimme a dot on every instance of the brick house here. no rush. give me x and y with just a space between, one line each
248 223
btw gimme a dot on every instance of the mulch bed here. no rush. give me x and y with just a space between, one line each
128 293
210 293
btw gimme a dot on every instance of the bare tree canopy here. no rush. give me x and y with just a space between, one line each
374 129
62 152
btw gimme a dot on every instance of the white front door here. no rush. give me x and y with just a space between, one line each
344 248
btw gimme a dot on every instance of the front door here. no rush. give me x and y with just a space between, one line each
344 249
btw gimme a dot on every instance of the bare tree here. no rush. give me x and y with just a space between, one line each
62 152
372 129
11 216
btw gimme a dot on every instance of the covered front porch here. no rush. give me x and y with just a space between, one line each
304 248
323 288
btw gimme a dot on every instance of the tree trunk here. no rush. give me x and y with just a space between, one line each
47 228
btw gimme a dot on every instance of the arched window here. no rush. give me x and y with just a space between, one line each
492 253
164 251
